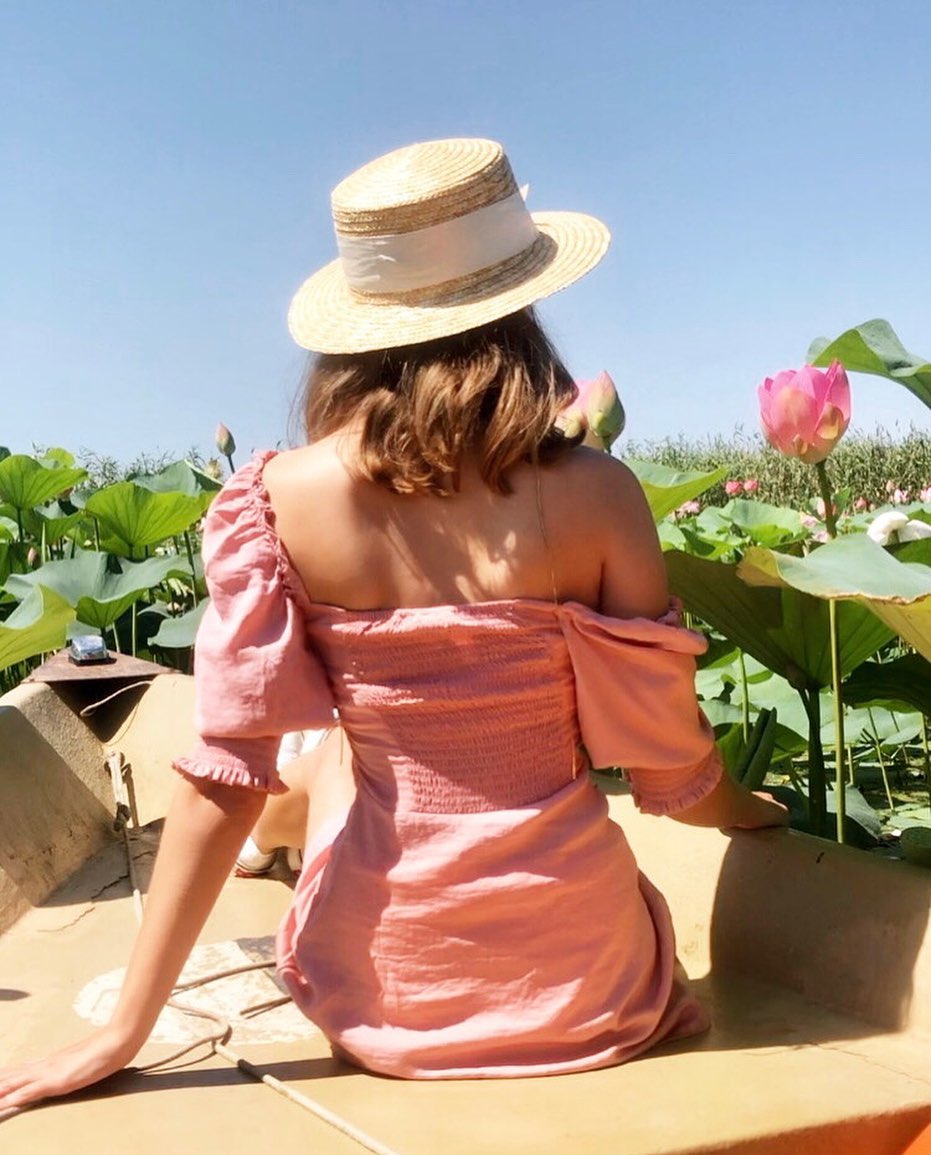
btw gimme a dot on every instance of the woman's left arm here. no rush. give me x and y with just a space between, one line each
204 830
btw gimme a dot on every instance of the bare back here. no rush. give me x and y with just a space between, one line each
577 530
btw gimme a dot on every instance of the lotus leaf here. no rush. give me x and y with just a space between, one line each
182 477
785 629
54 521
874 348
858 571
666 489
25 483
766 525
136 517
901 684
98 596
178 633
38 623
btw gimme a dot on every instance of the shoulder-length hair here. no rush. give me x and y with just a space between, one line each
491 394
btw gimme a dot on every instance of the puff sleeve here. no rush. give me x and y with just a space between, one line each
635 695
256 675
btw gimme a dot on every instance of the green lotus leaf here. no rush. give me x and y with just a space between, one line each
182 477
53 520
666 489
57 456
25 483
874 348
782 627
766 525
858 571
38 623
98 596
900 684
178 633
134 517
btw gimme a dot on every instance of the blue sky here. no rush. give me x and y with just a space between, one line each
763 166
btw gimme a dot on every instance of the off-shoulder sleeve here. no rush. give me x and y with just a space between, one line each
256 675
635 690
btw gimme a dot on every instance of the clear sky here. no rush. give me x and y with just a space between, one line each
165 169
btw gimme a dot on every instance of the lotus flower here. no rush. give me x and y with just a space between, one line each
925 494
861 504
596 409
804 412
894 526
751 485
733 488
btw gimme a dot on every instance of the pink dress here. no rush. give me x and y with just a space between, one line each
478 914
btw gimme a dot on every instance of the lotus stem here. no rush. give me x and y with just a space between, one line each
840 781
817 786
746 696
134 628
879 755
927 754
190 557
830 519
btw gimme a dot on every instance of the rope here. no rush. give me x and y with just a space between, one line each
217 1039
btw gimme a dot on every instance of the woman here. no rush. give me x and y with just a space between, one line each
483 603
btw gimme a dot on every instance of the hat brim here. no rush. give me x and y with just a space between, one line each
328 317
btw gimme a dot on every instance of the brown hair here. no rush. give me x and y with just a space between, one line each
492 393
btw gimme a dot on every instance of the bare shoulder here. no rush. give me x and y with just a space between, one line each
602 507
288 475
600 490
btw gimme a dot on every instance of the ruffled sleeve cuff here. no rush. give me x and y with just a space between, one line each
249 763
665 792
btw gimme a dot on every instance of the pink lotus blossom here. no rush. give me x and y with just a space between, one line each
733 488
899 496
751 485
804 412
860 504
687 508
596 409
925 494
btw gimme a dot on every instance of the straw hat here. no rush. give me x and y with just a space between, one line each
435 239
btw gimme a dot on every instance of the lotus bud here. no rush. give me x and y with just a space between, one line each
32 557
225 441
603 408
861 504
733 488
925 494
751 485
804 412
597 410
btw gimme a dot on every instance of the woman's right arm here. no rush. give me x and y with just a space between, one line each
731 805
205 828
634 584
